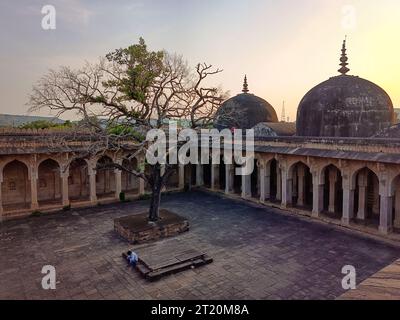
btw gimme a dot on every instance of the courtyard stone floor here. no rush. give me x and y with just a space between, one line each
259 253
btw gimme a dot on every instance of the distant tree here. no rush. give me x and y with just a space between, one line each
45 124
131 91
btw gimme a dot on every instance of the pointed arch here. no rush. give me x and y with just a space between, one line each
130 183
78 180
16 190
49 182
105 178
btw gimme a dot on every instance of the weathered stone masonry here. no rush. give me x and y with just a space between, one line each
350 179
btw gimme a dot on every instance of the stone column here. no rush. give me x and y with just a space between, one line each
141 164
229 178
181 176
385 216
64 186
246 186
332 190
318 195
92 183
286 188
118 179
261 179
118 183
141 186
214 176
348 200
397 209
199 175
34 186
300 186
362 195
278 184
1 195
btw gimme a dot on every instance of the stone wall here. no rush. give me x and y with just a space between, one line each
291 172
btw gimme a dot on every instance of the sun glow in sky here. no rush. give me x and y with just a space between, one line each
285 47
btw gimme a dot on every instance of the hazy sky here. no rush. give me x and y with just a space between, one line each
285 47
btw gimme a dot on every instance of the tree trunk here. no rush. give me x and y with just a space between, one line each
154 213
156 187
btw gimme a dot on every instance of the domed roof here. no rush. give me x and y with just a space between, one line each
244 111
344 106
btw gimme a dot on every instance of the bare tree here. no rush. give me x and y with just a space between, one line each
126 94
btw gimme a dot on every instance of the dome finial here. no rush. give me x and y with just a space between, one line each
245 85
343 59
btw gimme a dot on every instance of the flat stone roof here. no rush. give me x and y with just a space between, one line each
335 154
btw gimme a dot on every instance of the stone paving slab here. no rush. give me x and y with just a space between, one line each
258 253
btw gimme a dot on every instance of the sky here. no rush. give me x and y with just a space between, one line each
285 47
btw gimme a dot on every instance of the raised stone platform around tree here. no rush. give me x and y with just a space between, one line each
137 228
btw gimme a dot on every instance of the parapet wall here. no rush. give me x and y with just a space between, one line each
26 141
369 145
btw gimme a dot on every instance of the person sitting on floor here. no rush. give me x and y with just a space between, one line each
132 258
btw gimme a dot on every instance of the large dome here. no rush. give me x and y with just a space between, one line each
344 106
244 111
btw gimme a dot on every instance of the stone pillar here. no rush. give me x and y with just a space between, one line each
64 186
348 200
300 186
278 184
181 171
318 195
92 183
229 178
246 186
199 175
118 183
385 216
141 164
286 188
34 186
118 179
397 209
261 179
1 195
332 190
362 195
214 177
141 186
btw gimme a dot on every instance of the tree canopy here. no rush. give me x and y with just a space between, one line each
128 92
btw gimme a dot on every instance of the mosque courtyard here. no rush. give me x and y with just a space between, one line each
258 252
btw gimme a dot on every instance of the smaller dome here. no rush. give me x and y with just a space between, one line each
274 129
391 132
244 111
